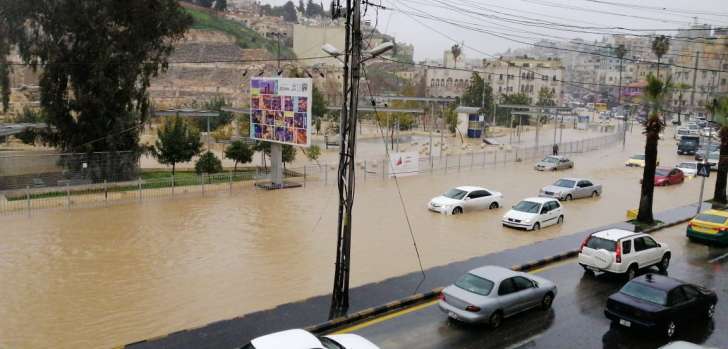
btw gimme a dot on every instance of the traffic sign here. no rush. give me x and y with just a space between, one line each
703 169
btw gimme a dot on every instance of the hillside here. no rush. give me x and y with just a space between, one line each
244 37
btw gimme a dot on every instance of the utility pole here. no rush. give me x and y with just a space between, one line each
352 66
695 79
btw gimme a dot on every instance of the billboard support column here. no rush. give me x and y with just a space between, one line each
276 164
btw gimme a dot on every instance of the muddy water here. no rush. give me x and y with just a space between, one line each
108 276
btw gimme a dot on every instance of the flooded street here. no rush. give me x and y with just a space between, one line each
100 277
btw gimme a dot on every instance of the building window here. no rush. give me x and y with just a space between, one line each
544 77
432 82
500 89
500 77
722 82
448 83
554 78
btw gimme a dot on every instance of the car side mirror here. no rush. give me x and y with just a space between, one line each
467 198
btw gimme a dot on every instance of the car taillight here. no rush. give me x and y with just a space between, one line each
618 250
472 308
722 229
441 297
583 243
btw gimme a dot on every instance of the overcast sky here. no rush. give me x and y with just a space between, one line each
494 26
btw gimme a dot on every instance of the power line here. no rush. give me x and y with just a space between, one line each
265 60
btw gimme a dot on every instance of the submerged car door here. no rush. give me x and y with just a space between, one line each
581 189
508 297
470 201
483 199
680 305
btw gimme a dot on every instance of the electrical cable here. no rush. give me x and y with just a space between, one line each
396 182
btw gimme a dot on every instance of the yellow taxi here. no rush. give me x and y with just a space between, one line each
637 161
709 226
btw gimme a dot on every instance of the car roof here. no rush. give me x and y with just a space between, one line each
470 188
614 234
539 200
493 273
289 339
575 179
716 212
555 156
658 281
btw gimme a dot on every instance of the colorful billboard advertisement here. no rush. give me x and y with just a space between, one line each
280 110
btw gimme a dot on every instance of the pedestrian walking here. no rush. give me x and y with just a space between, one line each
555 149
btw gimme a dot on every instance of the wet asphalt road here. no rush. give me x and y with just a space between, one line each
576 319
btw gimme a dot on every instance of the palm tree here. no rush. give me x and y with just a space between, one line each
456 51
660 46
719 110
655 93
681 87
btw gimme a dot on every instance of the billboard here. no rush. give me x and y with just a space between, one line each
280 110
404 164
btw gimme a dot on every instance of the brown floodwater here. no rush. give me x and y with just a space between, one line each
101 277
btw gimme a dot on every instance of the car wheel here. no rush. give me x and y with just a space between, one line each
664 263
496 319
547 301
670 329
493 205
569 197
595 194
457 210
631 272
587 271
561 220
711 311
536 226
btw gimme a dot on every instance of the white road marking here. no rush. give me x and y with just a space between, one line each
718 258
524 342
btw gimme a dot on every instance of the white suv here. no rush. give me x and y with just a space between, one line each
620 251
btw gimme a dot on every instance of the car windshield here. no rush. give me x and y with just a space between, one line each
638 157
527 206
689 141
475 284
645 293
601 244
550 159
706 217
661 172
688 165
456 194
564 183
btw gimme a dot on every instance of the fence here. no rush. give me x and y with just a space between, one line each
106 192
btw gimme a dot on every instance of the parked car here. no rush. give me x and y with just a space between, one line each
618 251
553 163
709 226
700 153
667 176
491 293
301 339
466 198
637 161
571 188
660 303
534 214
689 168
713 159
688 145
682 131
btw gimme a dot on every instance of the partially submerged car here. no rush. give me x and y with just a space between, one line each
554 163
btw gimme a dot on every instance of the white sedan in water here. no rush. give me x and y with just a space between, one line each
466 198
300 339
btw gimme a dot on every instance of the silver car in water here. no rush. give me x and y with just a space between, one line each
553 163
571 188
491 293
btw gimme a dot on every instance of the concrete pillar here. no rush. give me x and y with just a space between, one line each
276 163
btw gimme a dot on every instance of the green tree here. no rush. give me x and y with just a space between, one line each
97 59
301 7
215 104
451 117
313 153
318 107
30 116
503 115
681 87
456 51
176 142
478 94
545 97
660 46
288 11
288 154
208 163
655 93
239 152
4 83
719 109
264 149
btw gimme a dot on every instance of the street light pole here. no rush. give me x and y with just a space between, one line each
705 161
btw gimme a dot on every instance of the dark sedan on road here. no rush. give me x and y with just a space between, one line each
489 294
660 303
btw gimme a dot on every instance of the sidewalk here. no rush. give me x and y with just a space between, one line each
237 332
